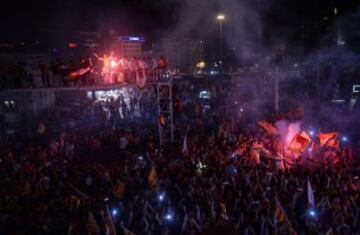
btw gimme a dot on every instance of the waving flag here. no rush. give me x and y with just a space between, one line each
280 217
299 143
270 129
310 194
329 140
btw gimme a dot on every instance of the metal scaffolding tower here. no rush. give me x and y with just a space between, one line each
165 107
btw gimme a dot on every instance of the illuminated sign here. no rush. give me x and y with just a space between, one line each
356 88
132 39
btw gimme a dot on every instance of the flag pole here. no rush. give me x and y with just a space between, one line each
286 218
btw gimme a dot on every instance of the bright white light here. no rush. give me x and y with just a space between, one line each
134 38
356 88
341 43
168 217
161 197
220 17
114 212
213 72
113 63
312 213
344 138
312 133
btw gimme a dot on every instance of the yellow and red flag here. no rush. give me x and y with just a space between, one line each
329 140
299 143
280 217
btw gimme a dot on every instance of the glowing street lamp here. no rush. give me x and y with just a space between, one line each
220 17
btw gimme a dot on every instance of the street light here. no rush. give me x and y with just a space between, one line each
220 18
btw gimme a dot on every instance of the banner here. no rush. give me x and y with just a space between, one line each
270 129
299 143
329 140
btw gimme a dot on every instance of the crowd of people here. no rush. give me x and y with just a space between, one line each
115 179
86 71
42 73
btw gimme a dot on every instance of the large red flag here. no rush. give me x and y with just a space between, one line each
329 140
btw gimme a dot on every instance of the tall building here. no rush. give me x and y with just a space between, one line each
183 55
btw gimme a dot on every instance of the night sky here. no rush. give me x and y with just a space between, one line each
30 20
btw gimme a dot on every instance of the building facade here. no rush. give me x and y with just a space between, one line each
183 54
129 46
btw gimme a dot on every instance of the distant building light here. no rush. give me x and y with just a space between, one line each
338 101
335 11
72 45
356 88
341 43
132 39
201 65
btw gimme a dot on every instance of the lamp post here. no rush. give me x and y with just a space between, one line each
220 18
